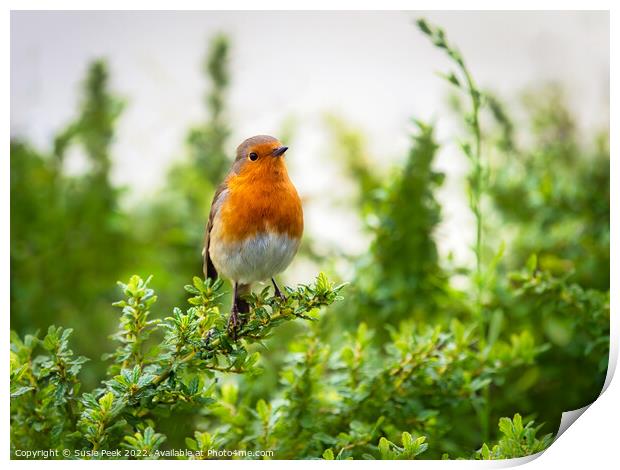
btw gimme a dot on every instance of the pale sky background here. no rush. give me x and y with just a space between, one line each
375 69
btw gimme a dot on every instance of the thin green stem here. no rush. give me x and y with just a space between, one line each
477 191
474 154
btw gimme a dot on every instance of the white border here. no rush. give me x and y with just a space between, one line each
591 441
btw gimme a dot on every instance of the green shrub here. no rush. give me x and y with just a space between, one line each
351 402
175 375
516 441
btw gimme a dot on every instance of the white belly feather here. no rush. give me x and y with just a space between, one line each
257 258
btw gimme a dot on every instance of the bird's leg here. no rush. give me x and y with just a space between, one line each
277 289
207 338
233 320
239 309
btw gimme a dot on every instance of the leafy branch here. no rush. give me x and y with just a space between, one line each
517 440
145 383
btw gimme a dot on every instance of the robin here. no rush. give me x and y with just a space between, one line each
255 223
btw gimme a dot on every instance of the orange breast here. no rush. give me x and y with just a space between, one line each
261 198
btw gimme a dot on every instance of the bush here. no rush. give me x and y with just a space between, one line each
175 375
516 441
356 401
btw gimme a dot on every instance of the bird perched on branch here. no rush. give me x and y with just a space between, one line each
255 224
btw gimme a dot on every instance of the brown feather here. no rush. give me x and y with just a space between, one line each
207 265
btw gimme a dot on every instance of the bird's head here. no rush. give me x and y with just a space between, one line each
259 154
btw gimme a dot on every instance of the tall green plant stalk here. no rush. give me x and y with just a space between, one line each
207 142
472 148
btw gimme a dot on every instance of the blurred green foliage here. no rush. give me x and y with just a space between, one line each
171 227
401 276
72 230
413 363
563 220
68 233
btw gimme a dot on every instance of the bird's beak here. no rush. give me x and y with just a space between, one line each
279 151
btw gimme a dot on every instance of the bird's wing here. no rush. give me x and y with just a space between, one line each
218 198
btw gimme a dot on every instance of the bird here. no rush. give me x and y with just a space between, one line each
255 222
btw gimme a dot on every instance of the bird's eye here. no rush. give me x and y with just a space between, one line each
253 156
